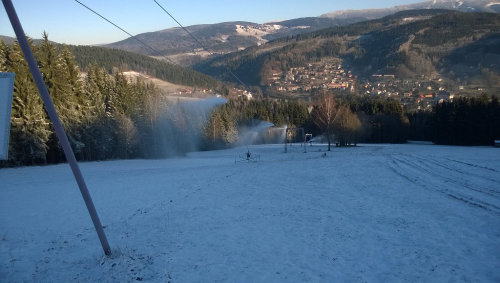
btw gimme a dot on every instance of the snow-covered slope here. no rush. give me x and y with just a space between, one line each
372 213
491 6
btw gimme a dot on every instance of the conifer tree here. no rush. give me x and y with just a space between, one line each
126 135
29 124
60 74
229 132
99 128
213 128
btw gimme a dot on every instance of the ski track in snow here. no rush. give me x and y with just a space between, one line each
372 213
462 184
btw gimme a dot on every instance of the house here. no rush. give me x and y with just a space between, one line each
335 85
246 94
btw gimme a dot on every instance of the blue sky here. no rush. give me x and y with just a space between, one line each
66 21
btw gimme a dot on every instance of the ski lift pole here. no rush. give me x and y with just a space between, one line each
286 136
51 111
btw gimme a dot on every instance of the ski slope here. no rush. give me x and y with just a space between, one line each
372 213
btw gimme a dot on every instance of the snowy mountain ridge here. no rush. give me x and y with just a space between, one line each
490 6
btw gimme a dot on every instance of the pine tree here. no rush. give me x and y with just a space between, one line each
29 125
60 74
127 136
99 130
229 134
213 128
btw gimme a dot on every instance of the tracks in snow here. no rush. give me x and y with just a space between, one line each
478 186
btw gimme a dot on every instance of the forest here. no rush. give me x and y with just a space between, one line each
109 117
118 60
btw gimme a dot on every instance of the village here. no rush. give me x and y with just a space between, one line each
415 94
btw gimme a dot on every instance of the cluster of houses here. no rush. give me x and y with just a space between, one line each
329 74
323 75
418 94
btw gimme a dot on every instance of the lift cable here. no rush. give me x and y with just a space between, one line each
156 51
202 46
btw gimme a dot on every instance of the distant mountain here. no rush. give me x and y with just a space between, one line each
459 46
222 37
468 6
10 40
229 37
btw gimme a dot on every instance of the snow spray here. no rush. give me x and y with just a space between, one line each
180 127
254 134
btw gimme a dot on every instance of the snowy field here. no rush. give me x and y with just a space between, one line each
372 213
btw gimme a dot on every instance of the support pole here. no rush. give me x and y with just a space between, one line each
51 111
286 136
304 136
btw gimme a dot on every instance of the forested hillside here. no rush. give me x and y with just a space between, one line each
407 44
121 60
424 47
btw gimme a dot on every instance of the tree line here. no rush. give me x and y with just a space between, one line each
466 121
111 117
345 120
351 119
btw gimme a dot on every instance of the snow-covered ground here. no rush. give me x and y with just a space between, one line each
372 213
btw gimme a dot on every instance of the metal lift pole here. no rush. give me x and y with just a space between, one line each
51 111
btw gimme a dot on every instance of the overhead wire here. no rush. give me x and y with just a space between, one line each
156 51
206 49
